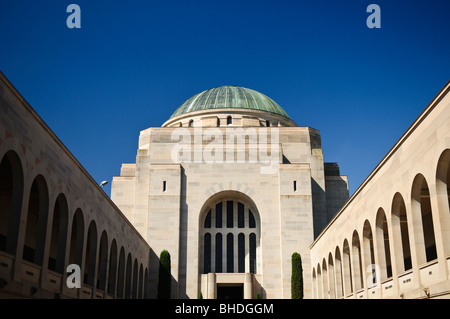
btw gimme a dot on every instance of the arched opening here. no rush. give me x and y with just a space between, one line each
76 238
128 277
102 262
347 270
369 252
314 284
443 197
37 217
338 274
121 274
229 120
112 277
11 195
191 123
357 262
141 281
146 284
207 253
229 235
400 235
325 287
331 277
382 242
58 235
421 209
90 256
319 283
135 280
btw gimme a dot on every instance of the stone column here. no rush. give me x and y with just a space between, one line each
211 292
248 286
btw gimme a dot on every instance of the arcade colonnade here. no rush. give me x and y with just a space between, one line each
392 238
53 214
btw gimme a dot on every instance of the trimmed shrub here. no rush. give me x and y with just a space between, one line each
164 276
297 277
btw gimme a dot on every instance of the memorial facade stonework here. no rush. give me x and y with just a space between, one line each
231 187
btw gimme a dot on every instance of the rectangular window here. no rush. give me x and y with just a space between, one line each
218 253
253 253
230 253
164 186
241 253
207 254
295 186
219 215
229 214
241 220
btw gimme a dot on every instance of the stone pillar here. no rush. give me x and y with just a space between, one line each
248 286
211 284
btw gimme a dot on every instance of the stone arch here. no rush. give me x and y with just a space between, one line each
128 278
357 261
443 197
90 255
76 238
121 274
229 224
112 273
59 233
382 245
400 234
338 273
135 280
141 281
314 283
36 221
319 282
11 196
368 250
102 262
325 283
145 283
347 269
423 220
331 276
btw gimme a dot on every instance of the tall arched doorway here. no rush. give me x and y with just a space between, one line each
229 237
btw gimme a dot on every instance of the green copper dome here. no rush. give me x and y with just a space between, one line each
230 96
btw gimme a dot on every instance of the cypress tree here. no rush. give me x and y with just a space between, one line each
164 276
297 277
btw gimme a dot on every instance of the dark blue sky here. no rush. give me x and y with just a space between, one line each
133 63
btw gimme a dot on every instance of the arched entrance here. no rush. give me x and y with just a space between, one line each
229 250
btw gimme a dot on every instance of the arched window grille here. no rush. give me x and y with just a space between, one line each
229 238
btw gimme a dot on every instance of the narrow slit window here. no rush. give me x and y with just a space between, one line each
295 186
230 214
164 186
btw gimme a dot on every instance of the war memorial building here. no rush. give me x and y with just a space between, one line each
231 186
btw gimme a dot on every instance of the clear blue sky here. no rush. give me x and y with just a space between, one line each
134 62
